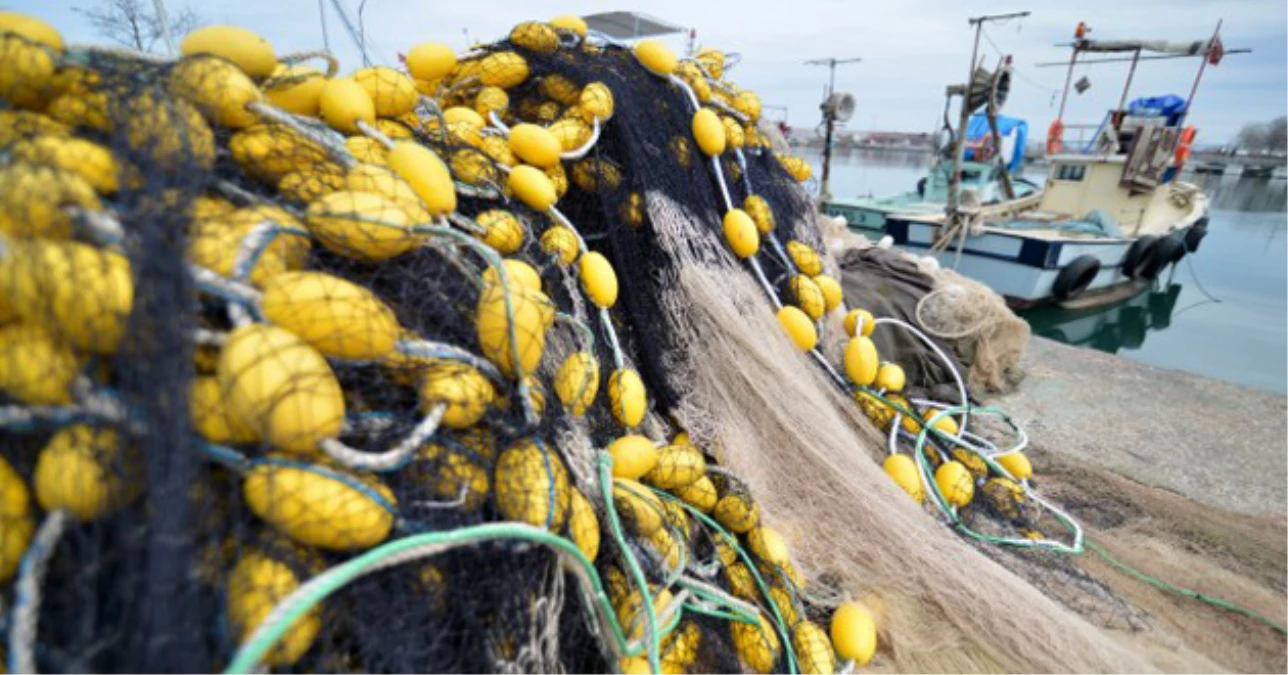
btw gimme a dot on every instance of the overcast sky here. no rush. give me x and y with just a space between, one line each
910 49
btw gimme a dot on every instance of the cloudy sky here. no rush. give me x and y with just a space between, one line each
910 49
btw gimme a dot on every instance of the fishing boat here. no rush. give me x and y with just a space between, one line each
989 164
1112 215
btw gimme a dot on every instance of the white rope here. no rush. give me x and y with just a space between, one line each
764 282
391 459
100 227
496 122
465 223
209 338
372 132
427 349
26 608
581 152
323 137
252 247
717 103
961 384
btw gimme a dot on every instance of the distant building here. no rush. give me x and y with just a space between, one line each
846 139
898 139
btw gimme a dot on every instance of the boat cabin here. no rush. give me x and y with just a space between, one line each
1122 179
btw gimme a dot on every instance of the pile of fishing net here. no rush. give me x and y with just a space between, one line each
474 366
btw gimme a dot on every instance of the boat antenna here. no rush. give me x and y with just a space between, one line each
831 114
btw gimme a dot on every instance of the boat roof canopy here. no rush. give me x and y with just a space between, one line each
630 25
1161 46
1168 106
978 127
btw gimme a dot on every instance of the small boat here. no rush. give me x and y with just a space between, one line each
986 171
1111 217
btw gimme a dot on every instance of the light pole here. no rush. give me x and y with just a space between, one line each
829 118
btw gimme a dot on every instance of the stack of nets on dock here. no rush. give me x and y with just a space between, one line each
504 362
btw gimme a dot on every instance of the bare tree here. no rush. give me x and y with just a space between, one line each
135 24
1277 134
1253 137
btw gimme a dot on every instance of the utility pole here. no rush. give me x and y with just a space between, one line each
828 118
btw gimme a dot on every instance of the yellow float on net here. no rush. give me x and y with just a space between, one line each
656 57
799 327
854 632
741 233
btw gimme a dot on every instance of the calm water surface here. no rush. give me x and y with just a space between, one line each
1222 312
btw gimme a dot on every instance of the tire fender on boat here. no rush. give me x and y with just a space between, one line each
1179 250
1167 250
1139 256
1194 235
1075 278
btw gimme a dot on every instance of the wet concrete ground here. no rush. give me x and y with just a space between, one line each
1217 443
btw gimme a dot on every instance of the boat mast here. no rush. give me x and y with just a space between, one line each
1207 56
1131 73
959 150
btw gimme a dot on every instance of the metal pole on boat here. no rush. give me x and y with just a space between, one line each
959 150
1216 34
1068 79
1131 72
829 119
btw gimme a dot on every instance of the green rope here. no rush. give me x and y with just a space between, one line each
319 588
1171 588
654 638
732 541
919 452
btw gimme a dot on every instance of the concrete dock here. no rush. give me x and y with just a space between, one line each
1214 442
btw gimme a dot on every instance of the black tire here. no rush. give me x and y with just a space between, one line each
1178 251
1074 279
1194 235
1165 250
1138 256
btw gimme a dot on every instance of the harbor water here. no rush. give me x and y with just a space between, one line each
1222 313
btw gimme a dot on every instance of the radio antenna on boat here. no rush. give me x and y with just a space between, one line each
836 108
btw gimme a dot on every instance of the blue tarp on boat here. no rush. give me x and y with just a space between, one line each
978 128
1169 106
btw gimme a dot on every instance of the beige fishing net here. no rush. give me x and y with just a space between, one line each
808 456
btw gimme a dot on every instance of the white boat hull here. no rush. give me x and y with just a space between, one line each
1022 268
1017 266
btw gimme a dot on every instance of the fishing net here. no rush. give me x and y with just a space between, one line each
468 367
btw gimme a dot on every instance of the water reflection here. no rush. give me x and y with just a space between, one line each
1109 329
1235 193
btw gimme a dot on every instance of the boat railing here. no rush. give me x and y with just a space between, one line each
1081 139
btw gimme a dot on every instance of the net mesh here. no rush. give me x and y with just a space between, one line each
305 371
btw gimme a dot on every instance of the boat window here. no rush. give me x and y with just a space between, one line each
1070 172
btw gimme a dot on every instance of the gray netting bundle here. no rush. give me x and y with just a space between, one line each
391 372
